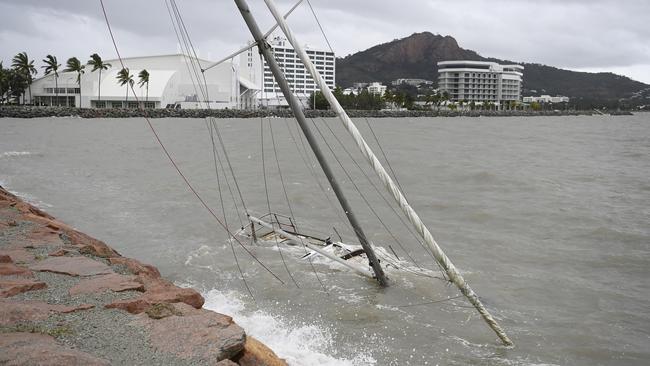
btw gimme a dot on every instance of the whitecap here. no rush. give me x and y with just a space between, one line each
11 154
303 344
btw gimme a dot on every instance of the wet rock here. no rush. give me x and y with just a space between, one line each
72 266
12 312
41 349
255 353
14 286
197 334
113 282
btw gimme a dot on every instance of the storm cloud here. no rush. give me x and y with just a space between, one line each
596 35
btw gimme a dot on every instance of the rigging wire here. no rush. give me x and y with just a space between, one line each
187 40
173 162
381 194
189 46
365 199
225 154
196 66
219 165
223 209
286 196
429 302
387 161
320 26
268 201
180 44
372 131
306 158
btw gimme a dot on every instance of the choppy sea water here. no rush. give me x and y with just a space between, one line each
546 217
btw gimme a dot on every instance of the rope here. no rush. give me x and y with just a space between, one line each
171 159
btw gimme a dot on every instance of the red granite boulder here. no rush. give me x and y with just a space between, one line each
14 286
42 350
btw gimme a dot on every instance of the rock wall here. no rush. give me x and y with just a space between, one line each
67 298
38 112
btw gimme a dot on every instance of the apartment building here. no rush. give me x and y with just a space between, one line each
479 82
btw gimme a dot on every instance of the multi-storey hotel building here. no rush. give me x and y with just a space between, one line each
479 82
297 75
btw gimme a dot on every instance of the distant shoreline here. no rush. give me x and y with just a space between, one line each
41 112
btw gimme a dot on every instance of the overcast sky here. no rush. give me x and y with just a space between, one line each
589 35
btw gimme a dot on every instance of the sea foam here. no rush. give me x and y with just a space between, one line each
304 344
11 154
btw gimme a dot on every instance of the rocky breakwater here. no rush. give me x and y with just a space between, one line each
69 299
44 112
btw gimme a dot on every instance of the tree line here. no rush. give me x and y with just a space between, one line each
400 99
16 81
392 99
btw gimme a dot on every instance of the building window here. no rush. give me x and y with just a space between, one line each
100 104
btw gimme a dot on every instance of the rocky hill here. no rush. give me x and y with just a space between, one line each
416 56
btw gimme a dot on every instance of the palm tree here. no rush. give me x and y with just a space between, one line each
388 97
125 79
25 66
74 65
399 99
144 79
52 67
4 82
97 64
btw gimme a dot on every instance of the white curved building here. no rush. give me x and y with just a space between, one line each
479 81
172 83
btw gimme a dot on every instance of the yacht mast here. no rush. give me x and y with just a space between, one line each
393 189
266 51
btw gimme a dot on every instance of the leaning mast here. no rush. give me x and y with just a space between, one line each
265 50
